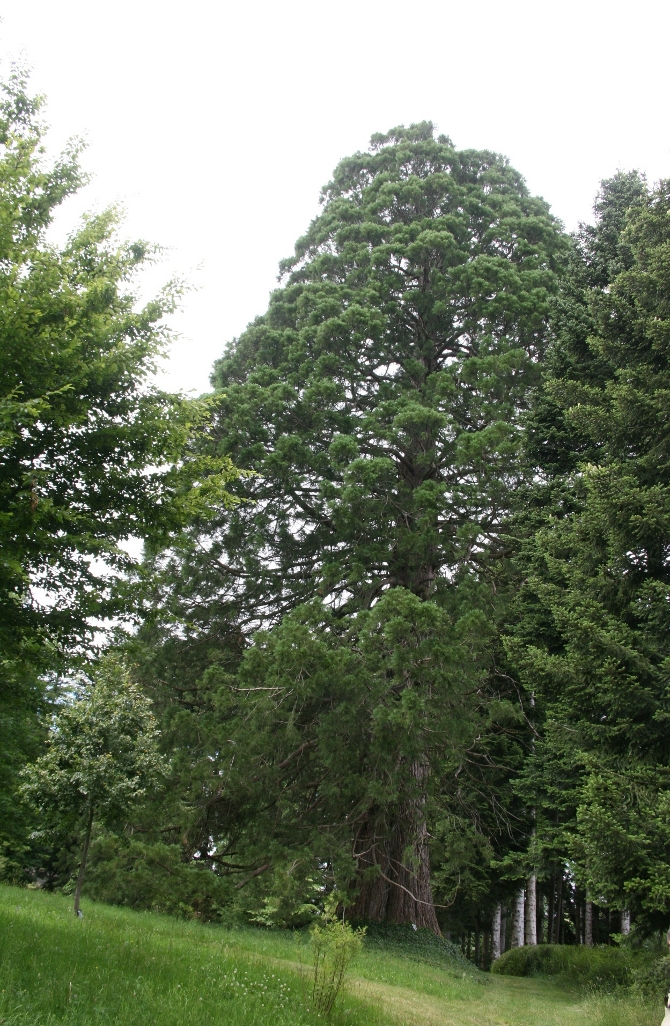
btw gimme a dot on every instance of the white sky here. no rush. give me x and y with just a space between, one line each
216 124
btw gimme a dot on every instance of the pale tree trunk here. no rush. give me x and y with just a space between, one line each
503 931
588 924
518 925
82 864
496 923
531 910
625 922
400 891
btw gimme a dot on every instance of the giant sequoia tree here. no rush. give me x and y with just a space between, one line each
378 403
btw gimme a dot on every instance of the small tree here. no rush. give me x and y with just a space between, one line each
101 756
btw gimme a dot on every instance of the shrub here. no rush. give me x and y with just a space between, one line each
334 944
602 968
653 980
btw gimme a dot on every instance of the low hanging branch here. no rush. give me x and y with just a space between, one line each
256 872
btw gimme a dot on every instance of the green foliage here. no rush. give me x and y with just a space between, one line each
599 968
90 448
91 451
592 633
334 945
378 405
101 752
101 758
653 980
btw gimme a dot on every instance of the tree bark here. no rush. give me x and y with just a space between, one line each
503 931
400 890
588 924
82 864
531 910
496 924
518 923
625 922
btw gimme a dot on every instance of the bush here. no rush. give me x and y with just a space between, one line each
334 944
653 980
602 968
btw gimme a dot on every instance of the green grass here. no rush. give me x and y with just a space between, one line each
121 968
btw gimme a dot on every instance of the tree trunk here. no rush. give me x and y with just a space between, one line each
559 910
82 864
550 910
531 910
496 924
625 922
588 924
518 926
400 891
503 932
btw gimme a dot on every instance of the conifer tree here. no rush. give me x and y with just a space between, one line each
592 635
378 404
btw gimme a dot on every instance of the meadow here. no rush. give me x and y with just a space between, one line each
122 968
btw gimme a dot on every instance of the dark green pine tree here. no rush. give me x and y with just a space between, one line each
378 403
592 637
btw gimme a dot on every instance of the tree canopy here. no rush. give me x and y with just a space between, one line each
409 659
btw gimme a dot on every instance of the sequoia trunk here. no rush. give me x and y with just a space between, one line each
394 865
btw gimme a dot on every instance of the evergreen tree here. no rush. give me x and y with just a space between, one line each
378 404
592 635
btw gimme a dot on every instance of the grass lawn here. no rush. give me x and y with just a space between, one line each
123 968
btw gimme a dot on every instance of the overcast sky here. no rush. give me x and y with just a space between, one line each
216 124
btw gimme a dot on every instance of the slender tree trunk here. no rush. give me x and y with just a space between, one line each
625 922
578 919
588 924
518 927
82 864
559 910
540 920
477 943
496 924
531 910
550 910
503 932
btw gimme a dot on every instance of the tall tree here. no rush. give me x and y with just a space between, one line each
91 452
378 403
593 634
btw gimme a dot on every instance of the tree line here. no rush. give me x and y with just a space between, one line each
399 629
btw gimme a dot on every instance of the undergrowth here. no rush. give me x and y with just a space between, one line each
421 946
599 968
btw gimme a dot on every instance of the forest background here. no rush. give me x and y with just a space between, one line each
413 647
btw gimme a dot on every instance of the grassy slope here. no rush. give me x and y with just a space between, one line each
120 968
